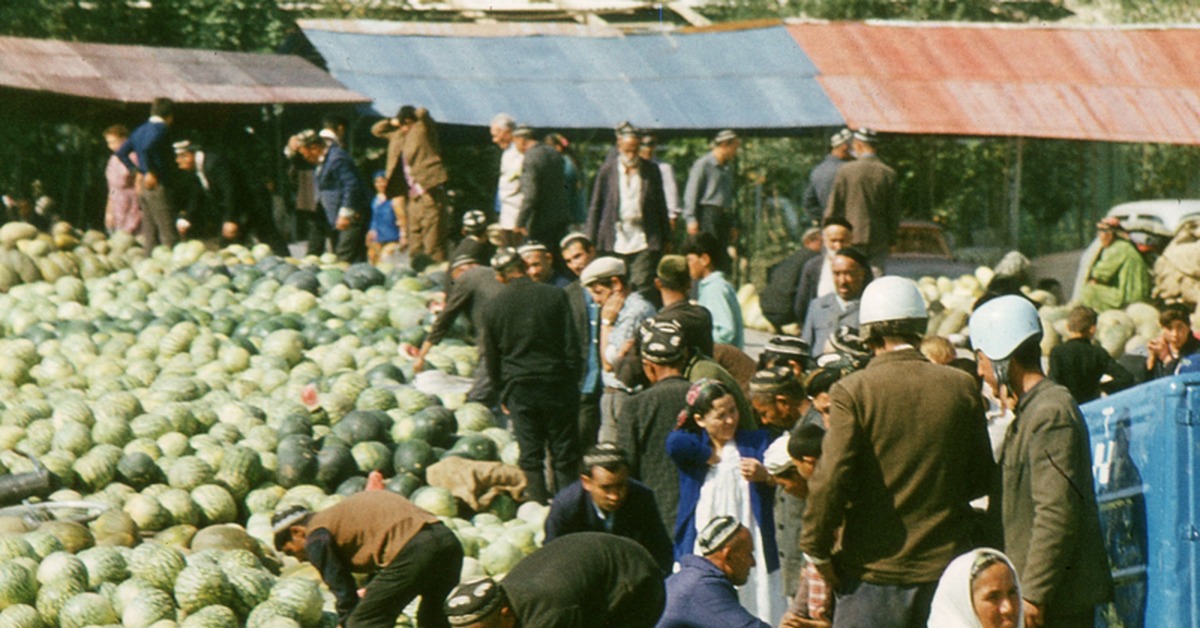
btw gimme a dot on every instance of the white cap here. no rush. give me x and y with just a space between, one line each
602 268
776 459
891 299
999 326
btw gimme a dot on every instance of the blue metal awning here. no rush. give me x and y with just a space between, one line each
746 79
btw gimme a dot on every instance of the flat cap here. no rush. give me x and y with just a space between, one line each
716 534
602 268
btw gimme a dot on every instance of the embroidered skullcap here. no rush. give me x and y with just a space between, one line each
864 134
532 246
726 135
604 455
572 238
662 341
287 517
184 146
474 219
821 380
841 137
463 260
523 130
716 534
505 258
774 380
788 346
626 129
473 601
310 138
329 134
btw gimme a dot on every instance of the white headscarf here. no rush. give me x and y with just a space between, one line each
952 606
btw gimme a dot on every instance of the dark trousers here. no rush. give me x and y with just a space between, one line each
261 225
544 416
158 218
589 420
428 566
883 605
717 221
482 390
643 266
351 243
315 230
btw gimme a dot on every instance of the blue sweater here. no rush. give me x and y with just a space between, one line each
690 451
700 596
152 144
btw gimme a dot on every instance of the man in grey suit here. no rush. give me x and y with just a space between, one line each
839 308
544 214
865 193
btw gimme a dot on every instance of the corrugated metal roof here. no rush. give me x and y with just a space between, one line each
1106 84
752 79
138 74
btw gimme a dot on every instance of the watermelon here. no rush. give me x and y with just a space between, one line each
216 616
413 457
156 564
18 585
300 598
251 587
63 566
403 483
335 464
297 461
20 616
475 447
372 456
150 606
104 564
363 425
198 586
86 609
435 500
52 597
216 504
435 425
189 472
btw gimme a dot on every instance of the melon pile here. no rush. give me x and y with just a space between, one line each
170 386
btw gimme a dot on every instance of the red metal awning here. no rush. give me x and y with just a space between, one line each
139 74
1104 84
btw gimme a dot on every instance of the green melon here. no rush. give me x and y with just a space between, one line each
198 586
215 616
86 609
52 597
156 564
104 564
149 607
63 566
215 503
21 616
372 456
18 585
300 597
413 457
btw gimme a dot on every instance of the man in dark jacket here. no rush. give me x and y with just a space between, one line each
578 252
533 360
577 581
820 181
340 193
544 214
816 278
1048 500
416 174
605 499
155 173
702 592
865 193
783 280
408 550
473 288
628 214
650 415
216 203
906 451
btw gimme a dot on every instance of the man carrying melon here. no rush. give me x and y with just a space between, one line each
405 550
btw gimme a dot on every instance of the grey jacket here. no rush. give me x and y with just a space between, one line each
1048 505
823 319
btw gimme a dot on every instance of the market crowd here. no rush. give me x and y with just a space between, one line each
848 477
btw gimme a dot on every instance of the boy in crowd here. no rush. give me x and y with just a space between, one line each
1079 364
385 238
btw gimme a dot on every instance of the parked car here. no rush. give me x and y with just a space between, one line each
922 249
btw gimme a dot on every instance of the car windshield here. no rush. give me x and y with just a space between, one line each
920 241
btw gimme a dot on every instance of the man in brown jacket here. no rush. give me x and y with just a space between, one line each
1048 503
864 193
906 451
415 172
410 552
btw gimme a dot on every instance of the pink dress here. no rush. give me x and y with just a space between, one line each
122 196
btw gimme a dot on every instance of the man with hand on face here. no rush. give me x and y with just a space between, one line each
621 314
839 309
1048 502
605 499
702 592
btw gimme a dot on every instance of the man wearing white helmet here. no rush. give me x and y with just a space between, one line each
906 451
1047 503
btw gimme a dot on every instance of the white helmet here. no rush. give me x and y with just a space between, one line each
891 299
999 326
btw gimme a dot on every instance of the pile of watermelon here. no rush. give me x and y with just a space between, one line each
197 393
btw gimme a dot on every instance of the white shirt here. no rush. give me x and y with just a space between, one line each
200 170
630 234
670 189
825 283
509 188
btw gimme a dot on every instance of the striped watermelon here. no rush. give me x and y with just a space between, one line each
251 587
215 616
300 597
17 585
104 564
215 503
63 566
86 609
156 564
201 585
52 597
20 616
150 606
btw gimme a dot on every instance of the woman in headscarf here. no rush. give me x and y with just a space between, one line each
721 473
979 589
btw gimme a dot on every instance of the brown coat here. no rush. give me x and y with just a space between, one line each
1051 524
419 147
865 194
370 528
906 451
